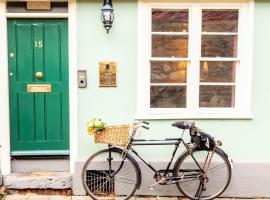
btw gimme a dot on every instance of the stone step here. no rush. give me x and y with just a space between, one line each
38 180
58 164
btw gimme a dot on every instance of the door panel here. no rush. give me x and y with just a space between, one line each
24 57
52 53
26 117
40 120
53 116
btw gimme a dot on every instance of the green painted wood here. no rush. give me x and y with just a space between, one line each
39 122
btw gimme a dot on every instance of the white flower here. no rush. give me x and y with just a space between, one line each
97 123
90 124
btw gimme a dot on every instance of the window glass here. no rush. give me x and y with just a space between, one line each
216 96
169 46
220 21
219 46
169 20
168 97
168 72
217 71
219 39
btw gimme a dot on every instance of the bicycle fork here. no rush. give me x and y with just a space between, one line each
206 166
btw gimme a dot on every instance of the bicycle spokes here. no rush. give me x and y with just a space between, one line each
207 184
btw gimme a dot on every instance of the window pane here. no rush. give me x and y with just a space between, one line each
216 96
169 20
219 46
168 97
220 20
169 46
213 71
168 72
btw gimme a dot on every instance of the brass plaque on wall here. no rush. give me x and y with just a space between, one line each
38 5
39 88
107 74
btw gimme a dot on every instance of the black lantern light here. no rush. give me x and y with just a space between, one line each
107 16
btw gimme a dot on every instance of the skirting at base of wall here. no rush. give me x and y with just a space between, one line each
249 180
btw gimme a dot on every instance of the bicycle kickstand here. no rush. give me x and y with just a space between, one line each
199 191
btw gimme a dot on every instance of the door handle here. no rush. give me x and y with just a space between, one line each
39 75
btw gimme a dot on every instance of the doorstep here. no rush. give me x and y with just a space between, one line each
38 181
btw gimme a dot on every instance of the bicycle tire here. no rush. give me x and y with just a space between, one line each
185 166
129 163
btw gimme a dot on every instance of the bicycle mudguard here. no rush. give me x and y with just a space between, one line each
226 155
132 159
221 151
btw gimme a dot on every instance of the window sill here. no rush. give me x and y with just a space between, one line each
145 116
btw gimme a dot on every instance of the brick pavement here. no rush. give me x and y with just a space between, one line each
44 197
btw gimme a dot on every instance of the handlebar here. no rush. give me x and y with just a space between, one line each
142 124
147 123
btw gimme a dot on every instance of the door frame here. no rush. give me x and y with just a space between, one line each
5 157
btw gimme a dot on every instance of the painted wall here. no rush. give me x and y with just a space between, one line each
114 105
244 140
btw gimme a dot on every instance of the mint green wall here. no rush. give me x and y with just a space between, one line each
243 139
114 105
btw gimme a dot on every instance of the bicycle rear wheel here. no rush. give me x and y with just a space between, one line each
193 182
106 175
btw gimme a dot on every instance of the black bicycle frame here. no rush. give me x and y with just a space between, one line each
141 142
168 141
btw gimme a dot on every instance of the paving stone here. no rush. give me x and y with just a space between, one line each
145 198
80 198
16 197
167 198
38 197
56 197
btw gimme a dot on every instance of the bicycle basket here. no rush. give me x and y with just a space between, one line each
203 141
114 135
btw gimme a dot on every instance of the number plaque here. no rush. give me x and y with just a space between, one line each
107 74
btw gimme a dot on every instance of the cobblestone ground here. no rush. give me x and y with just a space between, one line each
44 197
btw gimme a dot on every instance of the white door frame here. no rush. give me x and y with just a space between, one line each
5 158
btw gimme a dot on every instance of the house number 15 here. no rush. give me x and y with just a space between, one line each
38 44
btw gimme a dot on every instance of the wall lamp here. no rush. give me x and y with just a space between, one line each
107 16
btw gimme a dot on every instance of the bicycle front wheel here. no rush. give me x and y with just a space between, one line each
203 174
106 175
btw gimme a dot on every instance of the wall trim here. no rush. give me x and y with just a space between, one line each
4 93
249 180
73 89
4 86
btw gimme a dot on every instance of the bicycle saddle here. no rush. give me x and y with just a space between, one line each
184 125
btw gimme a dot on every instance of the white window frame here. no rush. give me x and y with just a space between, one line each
243 82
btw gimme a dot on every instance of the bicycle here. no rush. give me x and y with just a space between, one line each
202 171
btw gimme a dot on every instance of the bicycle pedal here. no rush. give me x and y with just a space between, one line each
152 188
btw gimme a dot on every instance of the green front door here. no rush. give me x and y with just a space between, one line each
38 86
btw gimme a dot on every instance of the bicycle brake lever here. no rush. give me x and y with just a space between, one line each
146 127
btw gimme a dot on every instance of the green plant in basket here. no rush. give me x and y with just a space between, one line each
95 126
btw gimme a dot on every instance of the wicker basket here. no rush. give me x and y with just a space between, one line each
114 135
